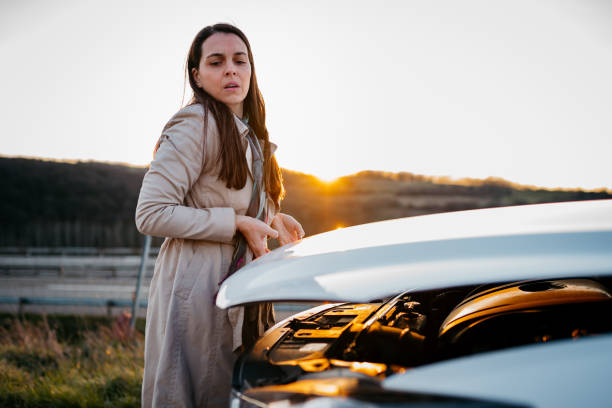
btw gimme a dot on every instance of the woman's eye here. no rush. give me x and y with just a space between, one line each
240 62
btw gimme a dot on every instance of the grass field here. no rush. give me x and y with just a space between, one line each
67 361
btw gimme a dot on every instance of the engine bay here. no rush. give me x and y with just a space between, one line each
375 340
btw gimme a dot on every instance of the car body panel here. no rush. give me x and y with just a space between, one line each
377 260
564 373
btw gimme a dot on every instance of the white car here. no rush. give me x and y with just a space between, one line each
503 307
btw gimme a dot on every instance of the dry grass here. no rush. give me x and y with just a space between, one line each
99 368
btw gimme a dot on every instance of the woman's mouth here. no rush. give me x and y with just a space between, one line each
231 85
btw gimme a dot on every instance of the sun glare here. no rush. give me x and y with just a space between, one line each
327 179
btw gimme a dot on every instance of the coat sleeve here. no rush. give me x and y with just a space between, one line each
176 167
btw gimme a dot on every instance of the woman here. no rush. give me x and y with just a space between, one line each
213 190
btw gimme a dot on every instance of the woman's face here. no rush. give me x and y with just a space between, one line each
225 70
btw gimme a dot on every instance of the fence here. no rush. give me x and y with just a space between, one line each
79 262
30 275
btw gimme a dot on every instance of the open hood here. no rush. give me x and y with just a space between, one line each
373 261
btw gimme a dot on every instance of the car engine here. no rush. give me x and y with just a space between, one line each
374 340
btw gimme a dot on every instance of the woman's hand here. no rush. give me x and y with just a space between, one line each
256 233
289 230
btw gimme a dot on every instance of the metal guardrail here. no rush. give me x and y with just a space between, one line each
78 251
86 259
78 265
21 301
89 259
129 261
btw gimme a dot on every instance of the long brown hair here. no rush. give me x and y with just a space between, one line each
234 168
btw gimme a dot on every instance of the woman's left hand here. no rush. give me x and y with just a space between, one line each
289 230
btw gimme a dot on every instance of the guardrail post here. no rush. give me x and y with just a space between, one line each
141 271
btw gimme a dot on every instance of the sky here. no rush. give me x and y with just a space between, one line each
515 89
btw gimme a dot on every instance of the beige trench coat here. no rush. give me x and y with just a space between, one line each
189 342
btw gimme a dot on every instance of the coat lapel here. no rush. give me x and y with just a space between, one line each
243 129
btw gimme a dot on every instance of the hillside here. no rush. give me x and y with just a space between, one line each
48 203
373 196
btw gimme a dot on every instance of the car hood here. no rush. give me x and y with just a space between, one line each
374 261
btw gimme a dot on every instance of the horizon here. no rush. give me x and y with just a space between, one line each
436 179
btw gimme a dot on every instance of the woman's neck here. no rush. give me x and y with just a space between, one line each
237 109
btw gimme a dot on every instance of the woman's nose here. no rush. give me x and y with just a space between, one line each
230 70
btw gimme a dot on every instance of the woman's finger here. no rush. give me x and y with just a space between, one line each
296 227
270 232
256 233
259 246
300 231
257 251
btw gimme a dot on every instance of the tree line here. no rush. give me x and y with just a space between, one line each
49 203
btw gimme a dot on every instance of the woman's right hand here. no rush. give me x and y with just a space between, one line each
256 233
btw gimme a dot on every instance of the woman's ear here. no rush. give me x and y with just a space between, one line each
196 76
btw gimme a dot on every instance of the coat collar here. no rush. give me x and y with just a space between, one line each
243 129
